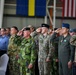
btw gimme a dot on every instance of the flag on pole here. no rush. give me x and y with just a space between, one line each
69 8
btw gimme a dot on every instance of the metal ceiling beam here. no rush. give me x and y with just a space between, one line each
48 13
1 11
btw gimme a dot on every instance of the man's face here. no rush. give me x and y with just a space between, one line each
72 33
44 30
7 31
3 32
31 29
26 33
64 30
13 31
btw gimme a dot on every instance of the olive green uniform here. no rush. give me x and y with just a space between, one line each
65 53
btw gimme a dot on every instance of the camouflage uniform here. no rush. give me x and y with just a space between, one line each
27 56
36 63
44 53
13 51
73 42
54 64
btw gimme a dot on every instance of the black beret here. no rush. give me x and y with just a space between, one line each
55 28
27 28
45 25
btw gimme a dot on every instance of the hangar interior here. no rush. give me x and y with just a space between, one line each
53 15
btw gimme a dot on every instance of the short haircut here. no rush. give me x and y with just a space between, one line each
8 28
15 28
3 29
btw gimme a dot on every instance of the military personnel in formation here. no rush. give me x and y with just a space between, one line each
73 42
27 55
8 31
13 52
72 31
44 52
65 50
54 60
36 63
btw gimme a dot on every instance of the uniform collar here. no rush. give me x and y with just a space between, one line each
66 36
3 36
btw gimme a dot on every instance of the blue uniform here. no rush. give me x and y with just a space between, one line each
3 44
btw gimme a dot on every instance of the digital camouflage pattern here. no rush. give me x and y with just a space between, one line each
44 52
27 55
13 51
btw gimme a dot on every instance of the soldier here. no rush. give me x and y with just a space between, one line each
4 40
73 42
36 63
8 31
44 52
54 60
72 32
27 53
32 29
13 52
65 50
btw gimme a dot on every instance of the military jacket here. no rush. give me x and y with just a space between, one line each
13 51
27 51
44 46
13 48
73 40
65 49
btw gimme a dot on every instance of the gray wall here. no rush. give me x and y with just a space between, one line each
72 22
21 22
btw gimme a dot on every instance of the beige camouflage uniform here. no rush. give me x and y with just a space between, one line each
44 53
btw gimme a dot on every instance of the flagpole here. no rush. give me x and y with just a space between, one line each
45 18
54 15
48 13
1 12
